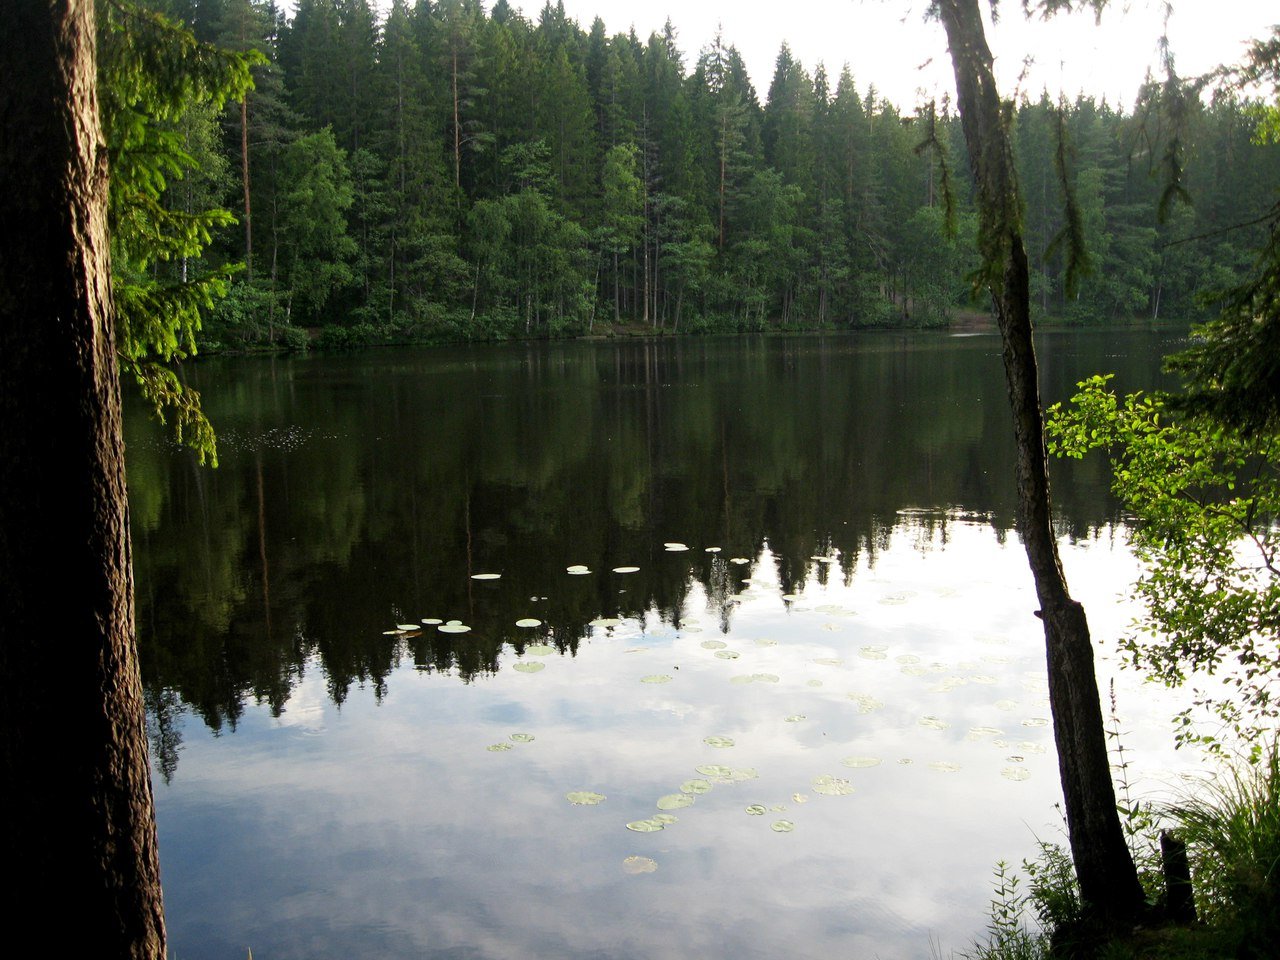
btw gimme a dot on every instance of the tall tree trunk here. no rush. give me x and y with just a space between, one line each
244 176
1108 881
79 826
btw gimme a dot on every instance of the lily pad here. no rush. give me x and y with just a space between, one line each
757 810
666 819
696 786
638 865
486 576
858 763
529 667
605 622
522 738
585 798
829 661
1006 705
539 650
933 723
739 560
498 747
716 771
766 642
656 678
944 766
799 798
1016 773
794 718
710 549
814 683
407 626
720 742
646 826
728 654
871 653
866 703
453 628
713 645
675 801
1035 722
626 569
782 826
528 622
830 786
577 568
432 621
675 547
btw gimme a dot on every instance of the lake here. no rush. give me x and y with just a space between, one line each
742 660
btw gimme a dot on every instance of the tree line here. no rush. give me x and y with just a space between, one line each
446 172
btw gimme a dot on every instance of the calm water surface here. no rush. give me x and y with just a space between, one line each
842 671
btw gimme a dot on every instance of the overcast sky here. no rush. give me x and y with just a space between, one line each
886 41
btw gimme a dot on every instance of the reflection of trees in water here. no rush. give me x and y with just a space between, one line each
370 488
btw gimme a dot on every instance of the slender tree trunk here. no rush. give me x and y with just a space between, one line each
79 828
244 176
1108 881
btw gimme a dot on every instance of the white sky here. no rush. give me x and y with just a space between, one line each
886 41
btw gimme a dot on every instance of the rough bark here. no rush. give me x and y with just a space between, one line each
1108 881
78 822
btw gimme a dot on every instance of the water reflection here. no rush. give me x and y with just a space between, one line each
880 613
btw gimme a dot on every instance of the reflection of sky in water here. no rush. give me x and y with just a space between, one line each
390 830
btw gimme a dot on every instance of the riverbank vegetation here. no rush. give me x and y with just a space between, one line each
444 173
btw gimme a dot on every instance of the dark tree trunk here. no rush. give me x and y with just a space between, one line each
78 823
1108 881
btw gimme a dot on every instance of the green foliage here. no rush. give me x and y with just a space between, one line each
153 75
1205 496
1232 831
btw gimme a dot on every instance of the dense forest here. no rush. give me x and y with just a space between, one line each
447 172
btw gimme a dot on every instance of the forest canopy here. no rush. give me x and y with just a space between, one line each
443 172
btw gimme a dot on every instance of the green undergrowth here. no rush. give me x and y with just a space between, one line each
1231 826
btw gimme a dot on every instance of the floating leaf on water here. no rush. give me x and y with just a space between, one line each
739 560
585 798
911 670
794 718
498 747
666 819
831 608
392 633
539 650
866 703
934 723
713 644
790 597
578 573
743 774
715 771
741 678
1006 704
832 627
757 810
1015 758
906 761
696 786
894 599
407 626
980 733
577 568
871 653
675 801
814 683
907 658
1030 747
766 642
675 547
528 622
711 550
529 667
829 661
1016 773
691 628
638 865
778 807
944 766
606 622
728 654
522 738
982 678
992 658
486 576
453 628
645 826
626 569
1035 722
656 678
782 826
1000 742
721 742
799 798
765 677
830 786
432 621
858 763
